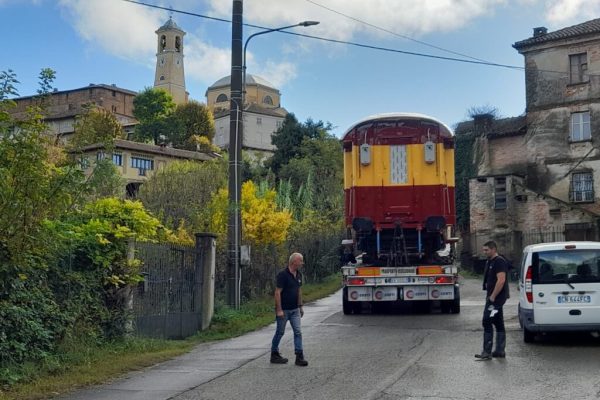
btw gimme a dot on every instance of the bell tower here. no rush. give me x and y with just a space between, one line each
169 74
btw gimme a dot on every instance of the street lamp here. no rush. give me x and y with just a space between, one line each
303 23
236 133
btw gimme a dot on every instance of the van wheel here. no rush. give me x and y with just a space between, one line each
528 336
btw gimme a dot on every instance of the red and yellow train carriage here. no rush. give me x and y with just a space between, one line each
399 188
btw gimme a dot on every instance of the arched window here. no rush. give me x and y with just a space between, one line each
162 77
163 42
177 43
268 100
221 98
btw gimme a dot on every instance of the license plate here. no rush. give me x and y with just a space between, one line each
574 299
394 280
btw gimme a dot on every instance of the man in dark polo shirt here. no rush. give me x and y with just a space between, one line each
496 286
288 307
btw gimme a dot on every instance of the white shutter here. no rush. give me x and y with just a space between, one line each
398 167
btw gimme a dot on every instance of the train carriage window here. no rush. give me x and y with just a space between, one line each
398 167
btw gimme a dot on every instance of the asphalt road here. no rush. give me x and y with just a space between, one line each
387 356
407 355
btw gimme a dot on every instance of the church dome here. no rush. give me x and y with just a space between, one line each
250 80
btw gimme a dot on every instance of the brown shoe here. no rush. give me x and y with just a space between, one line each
276 358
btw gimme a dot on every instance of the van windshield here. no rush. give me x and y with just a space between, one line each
559 266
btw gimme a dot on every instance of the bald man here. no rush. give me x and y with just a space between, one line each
288 307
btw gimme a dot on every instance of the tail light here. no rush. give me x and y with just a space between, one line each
444 279
356 281
528 287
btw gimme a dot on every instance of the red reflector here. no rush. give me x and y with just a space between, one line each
570 247
528 285
356 281
443 279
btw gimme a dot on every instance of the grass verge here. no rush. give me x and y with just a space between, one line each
85 364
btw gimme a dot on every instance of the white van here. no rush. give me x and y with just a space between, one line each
559 288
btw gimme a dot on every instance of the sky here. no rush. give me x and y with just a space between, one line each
114 42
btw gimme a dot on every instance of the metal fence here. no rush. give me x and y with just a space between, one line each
551 234
168 303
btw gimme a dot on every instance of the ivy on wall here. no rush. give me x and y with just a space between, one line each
464 170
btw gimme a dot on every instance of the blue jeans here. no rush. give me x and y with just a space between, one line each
294 317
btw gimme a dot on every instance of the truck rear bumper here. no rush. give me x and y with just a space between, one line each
404 293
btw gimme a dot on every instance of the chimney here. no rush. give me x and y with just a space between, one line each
483 122
540 31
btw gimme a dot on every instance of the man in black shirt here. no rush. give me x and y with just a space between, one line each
496 286
288 306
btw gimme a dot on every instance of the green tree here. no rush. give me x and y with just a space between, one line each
96 125
8 80
153 108
318 163
192 121
288 139
182 191
34 187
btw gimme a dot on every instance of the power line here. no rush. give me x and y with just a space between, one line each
361 45
392 32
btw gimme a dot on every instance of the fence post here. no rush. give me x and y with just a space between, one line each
129 328
206 244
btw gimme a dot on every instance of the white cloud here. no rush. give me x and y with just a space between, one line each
206 63
410 17
278 73
120 28
561 12
126 30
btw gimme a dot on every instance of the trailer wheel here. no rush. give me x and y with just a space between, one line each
455 308
446 306
346 306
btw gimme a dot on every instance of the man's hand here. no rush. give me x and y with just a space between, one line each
279 313
301 312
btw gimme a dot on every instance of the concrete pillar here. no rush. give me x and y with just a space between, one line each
206 245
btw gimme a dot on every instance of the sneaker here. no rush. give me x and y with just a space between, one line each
483 357
276 358
300 361
498 354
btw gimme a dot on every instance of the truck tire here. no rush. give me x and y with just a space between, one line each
346 306
446 306
455 307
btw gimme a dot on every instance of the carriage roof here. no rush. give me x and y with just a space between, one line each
398 115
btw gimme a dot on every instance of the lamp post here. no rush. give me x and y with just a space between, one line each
303 23
236 132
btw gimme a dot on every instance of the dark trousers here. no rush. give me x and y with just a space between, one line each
489 322
497 321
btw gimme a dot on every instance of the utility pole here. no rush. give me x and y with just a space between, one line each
234 225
